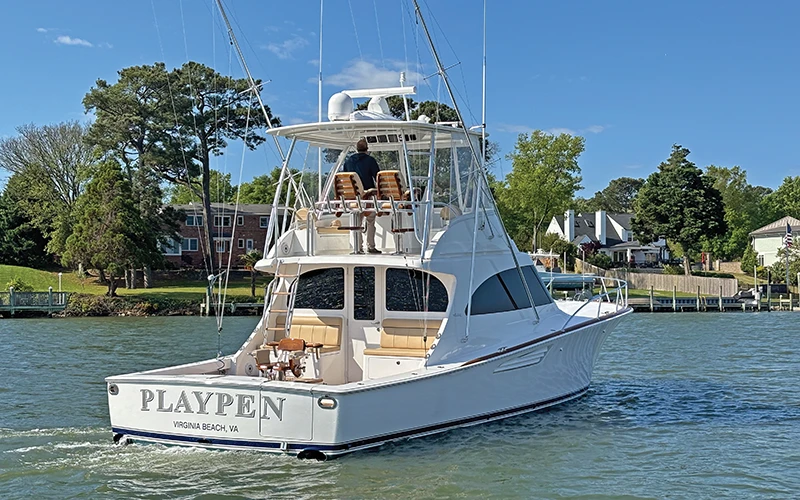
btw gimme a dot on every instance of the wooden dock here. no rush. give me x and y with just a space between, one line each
41 302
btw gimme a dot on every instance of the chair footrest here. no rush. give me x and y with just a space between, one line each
403 230
350 228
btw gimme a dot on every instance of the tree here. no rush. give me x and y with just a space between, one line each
21 242
173 123
743 210
749 259
249 261
679 203
783 201
221 190
544 178
50 165
618 196
107 227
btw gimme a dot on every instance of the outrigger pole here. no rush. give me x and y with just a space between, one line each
443 73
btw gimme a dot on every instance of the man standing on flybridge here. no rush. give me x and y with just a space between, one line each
367 169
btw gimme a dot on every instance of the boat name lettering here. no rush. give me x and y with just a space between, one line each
197 402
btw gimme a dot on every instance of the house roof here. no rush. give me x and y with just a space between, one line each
778 228
228 208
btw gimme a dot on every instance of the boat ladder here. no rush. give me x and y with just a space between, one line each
283 285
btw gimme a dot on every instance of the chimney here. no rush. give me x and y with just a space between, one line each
600 226
569 225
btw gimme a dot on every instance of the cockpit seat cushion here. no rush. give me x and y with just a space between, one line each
406 337
316 329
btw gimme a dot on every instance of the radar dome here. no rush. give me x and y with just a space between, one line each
340 105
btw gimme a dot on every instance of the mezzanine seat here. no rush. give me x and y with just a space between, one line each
406 337
316 330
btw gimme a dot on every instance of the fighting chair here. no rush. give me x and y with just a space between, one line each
292 357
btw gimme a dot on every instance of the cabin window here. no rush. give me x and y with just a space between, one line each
505 292
320 289
364 293
409 290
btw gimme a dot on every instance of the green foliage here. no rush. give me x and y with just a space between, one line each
600 260
108 227
617 197
262 188
249 261
679 203
544 178
19 285
50 166
670 269
778 269
782 202
743 211
220 185
21 243
749 259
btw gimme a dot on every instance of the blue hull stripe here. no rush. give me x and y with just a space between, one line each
345 446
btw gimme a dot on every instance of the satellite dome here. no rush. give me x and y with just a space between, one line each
340 105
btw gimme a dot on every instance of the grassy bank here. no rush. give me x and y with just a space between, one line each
174 288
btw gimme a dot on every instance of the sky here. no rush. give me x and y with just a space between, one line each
718 77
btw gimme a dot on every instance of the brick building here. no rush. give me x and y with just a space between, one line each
247 227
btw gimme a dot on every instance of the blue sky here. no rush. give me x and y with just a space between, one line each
721 78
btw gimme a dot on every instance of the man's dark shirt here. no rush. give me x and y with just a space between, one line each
365 166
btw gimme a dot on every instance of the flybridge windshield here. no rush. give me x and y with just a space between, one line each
406 147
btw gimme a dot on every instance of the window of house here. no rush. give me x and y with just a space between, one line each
194 220
171 247
505 292
263 221
410 290
189 245
629 235
240 243
320 289
761 260
222 220
221 245
249 245
240 220
364 293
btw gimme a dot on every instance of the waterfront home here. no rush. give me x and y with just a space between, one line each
234 231
612 232
769 239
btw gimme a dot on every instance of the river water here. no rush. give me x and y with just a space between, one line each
684 405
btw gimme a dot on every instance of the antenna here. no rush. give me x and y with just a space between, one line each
319 110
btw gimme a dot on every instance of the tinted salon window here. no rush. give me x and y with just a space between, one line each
539 293
321 289
407 289
491 297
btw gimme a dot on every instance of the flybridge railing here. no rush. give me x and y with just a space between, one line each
612 291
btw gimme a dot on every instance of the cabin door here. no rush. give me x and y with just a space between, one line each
364 319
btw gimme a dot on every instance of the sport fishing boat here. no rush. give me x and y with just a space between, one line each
449 326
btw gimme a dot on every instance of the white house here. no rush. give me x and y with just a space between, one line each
768 240
612 231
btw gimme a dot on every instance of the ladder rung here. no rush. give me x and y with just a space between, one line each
286 276
279 310
403 230
281 293
277 328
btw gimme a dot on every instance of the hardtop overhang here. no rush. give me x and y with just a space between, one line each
381 135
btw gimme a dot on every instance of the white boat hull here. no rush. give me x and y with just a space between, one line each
241 412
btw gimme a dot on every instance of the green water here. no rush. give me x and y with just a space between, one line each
682 406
